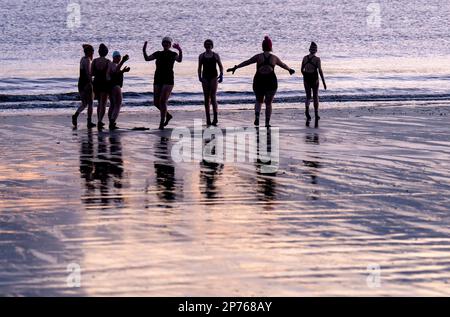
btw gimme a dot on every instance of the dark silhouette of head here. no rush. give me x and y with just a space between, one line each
208 44
267 44
88 50
102 50
167 42
313 48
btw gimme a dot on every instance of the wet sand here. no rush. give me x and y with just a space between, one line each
369 188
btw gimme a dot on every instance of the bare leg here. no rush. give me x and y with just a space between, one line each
166 90
315 90
207 96
214 85
86 101
101 108
258 104
112 104
116 105
268 102
307 101
156 95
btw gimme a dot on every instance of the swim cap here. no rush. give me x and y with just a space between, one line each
209 41
267 44
102 50
116 54
167 39
313 46
87 48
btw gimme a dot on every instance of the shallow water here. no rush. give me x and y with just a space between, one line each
367 188
397 48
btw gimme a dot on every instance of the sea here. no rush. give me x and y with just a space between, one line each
375 50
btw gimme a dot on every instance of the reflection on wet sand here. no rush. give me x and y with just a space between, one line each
166 183
209 173
266 167
102 169
313 163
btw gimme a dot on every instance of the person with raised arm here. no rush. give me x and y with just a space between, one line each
115 80
164 77
265 83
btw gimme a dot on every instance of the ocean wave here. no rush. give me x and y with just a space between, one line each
139 99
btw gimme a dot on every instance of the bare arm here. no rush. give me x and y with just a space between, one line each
86 68
250 61
200 64
179 57
284 66
319 65
303 64
147 57
219 62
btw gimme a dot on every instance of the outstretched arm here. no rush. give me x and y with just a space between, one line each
284 66
147 57
179 58
243 64
319 65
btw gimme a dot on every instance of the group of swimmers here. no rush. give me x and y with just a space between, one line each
108 76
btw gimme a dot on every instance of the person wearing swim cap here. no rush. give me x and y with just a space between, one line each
85 86
115 81
164 77
209 77
100 67
265 83
311 69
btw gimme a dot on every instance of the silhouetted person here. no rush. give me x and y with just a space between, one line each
311 68
265 83
164 77
85 86
100 67
208 76
115 80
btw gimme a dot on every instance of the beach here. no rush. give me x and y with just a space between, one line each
355 207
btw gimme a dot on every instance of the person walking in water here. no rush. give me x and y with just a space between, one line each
265 83
100 67
311 68
164 77
208 76
115 80
85 86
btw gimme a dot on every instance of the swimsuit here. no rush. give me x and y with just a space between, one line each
100 83
83 80
209 67
265 84
310 78
115 78
164 67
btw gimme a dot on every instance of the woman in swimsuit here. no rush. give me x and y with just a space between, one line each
311 68
208 76
100 67
265 82
85 86
164 78
115 79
